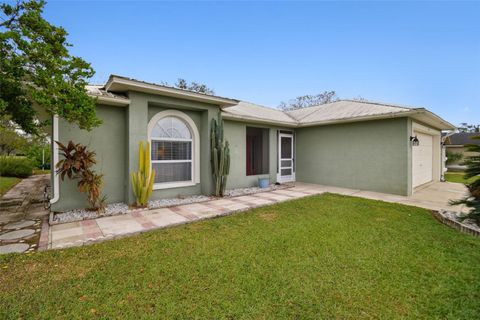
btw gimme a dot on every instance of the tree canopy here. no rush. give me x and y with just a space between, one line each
465 127
193 86
37 69
309 100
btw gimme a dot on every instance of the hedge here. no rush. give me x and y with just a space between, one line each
15 167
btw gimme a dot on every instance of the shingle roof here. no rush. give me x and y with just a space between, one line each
345 109
462 138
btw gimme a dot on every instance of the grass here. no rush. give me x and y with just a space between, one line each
6 183
458 177
326 256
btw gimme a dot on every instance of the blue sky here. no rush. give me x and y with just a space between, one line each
413 53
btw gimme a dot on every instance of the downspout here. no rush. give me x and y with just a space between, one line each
56 178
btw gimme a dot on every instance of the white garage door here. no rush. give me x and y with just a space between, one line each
422 160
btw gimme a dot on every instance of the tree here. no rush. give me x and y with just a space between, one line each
465 127
309 100
11 140
193 86
472 201
37 69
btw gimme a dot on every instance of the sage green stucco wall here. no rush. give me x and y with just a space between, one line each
108 141
370 155
142 108
235 133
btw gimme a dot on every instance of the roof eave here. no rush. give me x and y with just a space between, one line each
435 122
111 101
120 84
234 117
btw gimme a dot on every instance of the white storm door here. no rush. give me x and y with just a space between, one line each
285 158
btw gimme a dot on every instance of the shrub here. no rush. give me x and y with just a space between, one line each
472 201
15 167
77 164
453 157
37 153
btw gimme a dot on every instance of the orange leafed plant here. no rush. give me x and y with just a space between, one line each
77 164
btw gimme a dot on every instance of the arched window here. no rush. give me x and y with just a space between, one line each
174 143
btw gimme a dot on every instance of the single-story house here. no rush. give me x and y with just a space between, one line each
456 143
353 144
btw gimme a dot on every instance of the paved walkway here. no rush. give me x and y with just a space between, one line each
434 197
21 215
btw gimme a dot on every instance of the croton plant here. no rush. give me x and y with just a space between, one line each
77 164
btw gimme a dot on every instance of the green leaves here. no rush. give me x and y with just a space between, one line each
77 164
473 170
36 69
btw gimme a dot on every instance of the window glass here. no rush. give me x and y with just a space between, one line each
257 145
171 150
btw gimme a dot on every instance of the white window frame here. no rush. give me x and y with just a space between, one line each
195 159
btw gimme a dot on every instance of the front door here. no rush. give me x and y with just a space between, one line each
286 171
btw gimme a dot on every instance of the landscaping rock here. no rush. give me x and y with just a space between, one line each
14 248
19 224
18 234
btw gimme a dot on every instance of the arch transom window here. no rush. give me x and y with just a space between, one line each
172 150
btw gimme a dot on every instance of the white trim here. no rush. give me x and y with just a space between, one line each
196 148
170 185
291 177
436 153
56 178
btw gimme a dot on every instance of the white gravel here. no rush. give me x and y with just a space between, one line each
455 216
82 214
122 208
252 190
162 203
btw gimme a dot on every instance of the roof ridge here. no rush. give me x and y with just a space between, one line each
315 106
385 104
270 108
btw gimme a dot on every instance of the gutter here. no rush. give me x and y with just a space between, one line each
118 84
56 178
111 101
230 116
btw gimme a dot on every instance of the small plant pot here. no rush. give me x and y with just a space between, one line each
263 183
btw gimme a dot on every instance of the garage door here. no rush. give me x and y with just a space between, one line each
422 160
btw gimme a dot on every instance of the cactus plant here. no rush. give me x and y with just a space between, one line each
142 180
220 157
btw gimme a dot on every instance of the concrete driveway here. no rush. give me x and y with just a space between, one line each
434 196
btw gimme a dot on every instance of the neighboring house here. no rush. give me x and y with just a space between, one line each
455 143
352 144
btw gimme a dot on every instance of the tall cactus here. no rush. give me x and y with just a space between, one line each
220 157
142 180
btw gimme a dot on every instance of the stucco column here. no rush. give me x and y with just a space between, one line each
137 122
205 165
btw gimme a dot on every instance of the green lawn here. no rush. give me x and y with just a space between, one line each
326 256
458 177
6 183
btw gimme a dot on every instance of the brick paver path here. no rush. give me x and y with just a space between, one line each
94 230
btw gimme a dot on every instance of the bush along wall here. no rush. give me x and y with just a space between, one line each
15 167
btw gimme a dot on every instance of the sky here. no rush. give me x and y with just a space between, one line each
424 54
